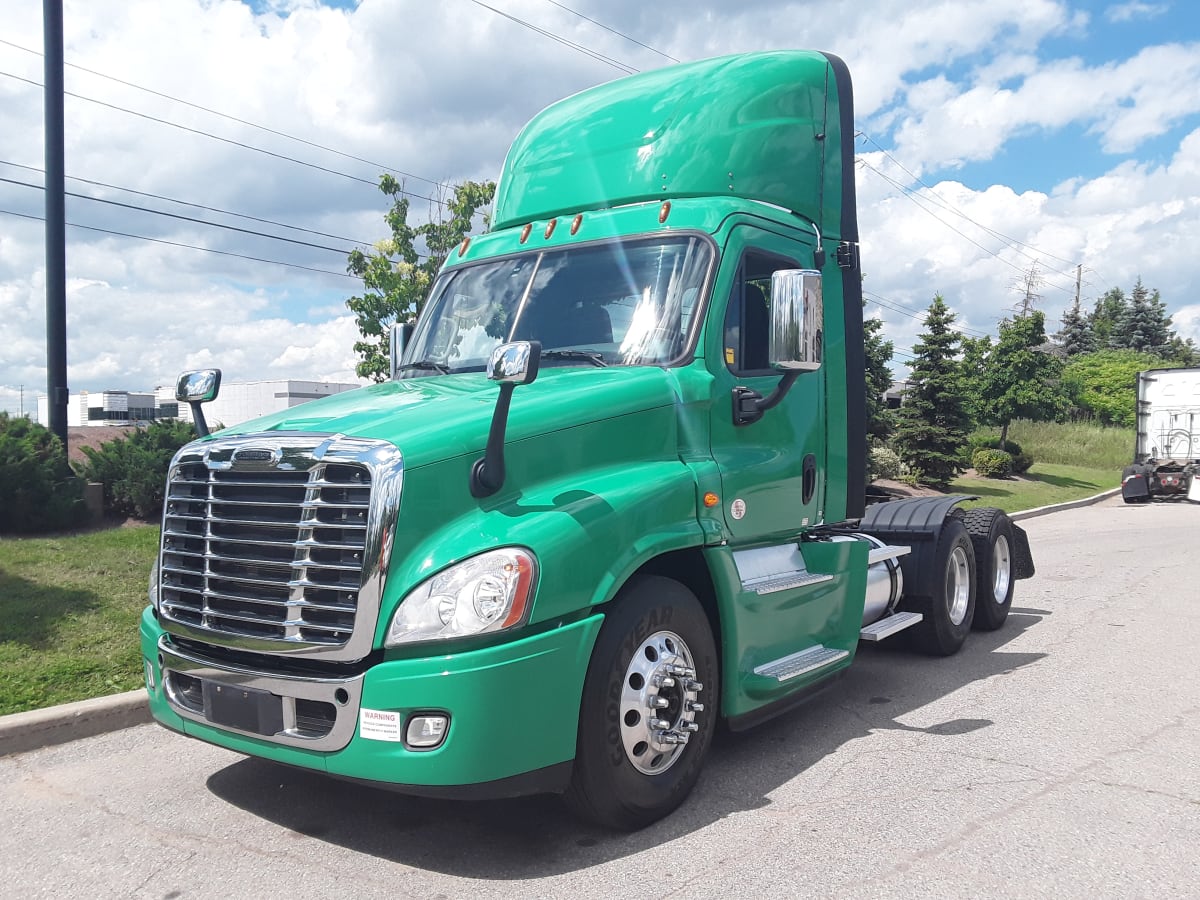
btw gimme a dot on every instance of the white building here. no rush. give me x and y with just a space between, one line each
237 402
104 408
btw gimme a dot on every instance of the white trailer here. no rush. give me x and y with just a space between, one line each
1166 456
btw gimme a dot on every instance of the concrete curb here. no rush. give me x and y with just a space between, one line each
21 732
1071 504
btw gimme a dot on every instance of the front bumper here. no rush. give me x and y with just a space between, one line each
513 708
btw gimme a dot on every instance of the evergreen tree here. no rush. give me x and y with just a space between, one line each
1144 325
1076 336
880 420
1103 319
932 424
1021 380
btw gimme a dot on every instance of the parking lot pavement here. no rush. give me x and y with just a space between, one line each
1056 757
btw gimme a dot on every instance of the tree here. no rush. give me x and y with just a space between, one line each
1076 336
1103 319
932 423
880 420
975 353
1103 385
1021 380
396 277
1144 325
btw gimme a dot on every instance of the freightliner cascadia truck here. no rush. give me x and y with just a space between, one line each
613 495
1166 452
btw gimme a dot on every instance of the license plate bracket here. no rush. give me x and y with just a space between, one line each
246 709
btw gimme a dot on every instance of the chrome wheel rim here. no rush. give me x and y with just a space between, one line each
1001 570
958 585
659 703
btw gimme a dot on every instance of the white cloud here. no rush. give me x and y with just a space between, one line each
1128 12
438 91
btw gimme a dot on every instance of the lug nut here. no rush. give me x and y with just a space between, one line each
660 724
659 702
664 681
695 707
690 685
689 726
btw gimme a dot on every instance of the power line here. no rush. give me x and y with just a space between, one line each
224 212
614 31
142 237
933 198
885 303
159 212
216 112
599 57
226 140
912 196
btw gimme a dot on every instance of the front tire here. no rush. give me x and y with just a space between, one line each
643 729
992 537
950 609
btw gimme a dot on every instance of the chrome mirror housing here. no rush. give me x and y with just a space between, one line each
198 387
797 313
515 363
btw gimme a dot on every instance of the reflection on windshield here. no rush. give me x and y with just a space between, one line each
626 303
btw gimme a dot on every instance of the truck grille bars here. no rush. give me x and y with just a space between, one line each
278 544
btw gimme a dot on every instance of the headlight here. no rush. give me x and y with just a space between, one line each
154 584
489 592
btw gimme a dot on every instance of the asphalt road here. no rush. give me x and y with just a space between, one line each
1057 757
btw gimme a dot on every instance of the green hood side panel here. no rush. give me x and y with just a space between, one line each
760 126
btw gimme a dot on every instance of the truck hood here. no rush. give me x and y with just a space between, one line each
440 417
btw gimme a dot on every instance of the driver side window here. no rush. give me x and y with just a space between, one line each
748 315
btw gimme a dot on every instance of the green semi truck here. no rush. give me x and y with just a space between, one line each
613 495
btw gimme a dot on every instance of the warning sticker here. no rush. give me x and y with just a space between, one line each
379 725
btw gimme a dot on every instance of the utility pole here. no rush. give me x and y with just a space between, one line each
1078 282
22 401
56 221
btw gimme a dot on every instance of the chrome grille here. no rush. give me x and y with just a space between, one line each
274 554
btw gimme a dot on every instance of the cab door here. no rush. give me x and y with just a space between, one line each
772 469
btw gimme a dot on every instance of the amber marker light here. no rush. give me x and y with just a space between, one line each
525 232
711 500
664 211
575 223
550 226
462 248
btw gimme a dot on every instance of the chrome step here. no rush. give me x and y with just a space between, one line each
888 626
798 663
879 554
789 581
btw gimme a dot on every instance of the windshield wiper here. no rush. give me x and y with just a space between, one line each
427 365
595 357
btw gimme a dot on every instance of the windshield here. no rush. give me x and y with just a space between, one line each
625 303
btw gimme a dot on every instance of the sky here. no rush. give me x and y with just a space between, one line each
994 139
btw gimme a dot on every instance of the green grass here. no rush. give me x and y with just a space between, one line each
1072 460
1043 485
69 608
1073 443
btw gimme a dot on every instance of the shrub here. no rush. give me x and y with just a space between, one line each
884 463
38 490
992 463
134 468
1021 461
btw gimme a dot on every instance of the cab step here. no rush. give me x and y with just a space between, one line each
809 660
890 625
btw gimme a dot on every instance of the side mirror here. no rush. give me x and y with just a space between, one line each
511 364
398 337
196 388
515 363
797 313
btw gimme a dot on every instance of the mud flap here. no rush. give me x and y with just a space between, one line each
1134 487
1022 556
